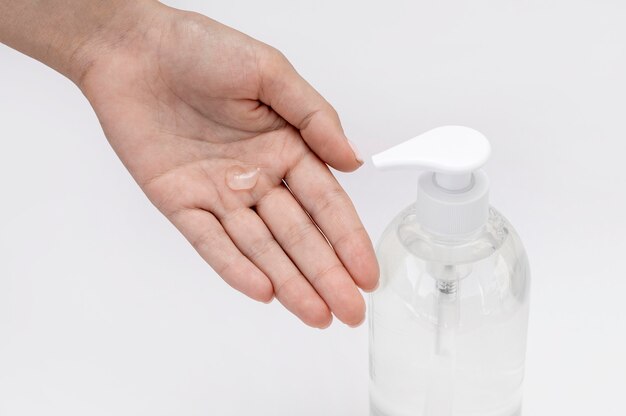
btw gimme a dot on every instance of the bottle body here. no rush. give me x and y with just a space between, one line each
448 322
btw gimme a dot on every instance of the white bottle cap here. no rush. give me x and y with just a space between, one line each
453 193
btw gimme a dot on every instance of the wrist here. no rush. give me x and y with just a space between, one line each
115 28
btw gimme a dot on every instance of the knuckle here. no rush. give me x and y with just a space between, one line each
206 244
333 112
306 120
300 232
349 236
277 55
283 287
264 201
202 243
272 59
325 273
260 247
330 200
228 271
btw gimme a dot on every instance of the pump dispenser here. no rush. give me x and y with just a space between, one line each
448 322
453 193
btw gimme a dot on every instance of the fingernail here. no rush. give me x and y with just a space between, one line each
357 155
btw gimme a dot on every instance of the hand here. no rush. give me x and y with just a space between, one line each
182 99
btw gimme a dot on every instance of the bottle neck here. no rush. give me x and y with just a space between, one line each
452 214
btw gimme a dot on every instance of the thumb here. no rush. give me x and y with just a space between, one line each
295 100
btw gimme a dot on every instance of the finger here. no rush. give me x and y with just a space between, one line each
283 89
291 288
310 251
207 236
320 194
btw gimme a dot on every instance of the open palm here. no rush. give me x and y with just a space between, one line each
182 100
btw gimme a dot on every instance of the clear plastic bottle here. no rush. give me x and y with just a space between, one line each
448 321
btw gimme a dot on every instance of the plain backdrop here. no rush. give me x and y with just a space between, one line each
106 310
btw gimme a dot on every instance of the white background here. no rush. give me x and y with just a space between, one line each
106 310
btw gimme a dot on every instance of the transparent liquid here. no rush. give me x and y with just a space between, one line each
240 178
448 323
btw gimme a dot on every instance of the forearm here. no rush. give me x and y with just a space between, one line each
58 32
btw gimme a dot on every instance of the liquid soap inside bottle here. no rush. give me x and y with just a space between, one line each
448 323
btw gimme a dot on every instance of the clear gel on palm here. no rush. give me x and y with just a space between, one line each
242 178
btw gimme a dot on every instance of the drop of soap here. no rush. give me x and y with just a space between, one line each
239 178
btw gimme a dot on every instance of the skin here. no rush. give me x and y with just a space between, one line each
182 99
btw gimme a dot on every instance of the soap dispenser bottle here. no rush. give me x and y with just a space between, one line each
448 321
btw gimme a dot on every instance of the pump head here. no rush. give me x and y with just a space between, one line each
452 193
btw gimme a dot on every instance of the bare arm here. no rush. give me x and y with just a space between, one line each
54 31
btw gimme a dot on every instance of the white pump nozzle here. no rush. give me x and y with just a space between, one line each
453 152
453 199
